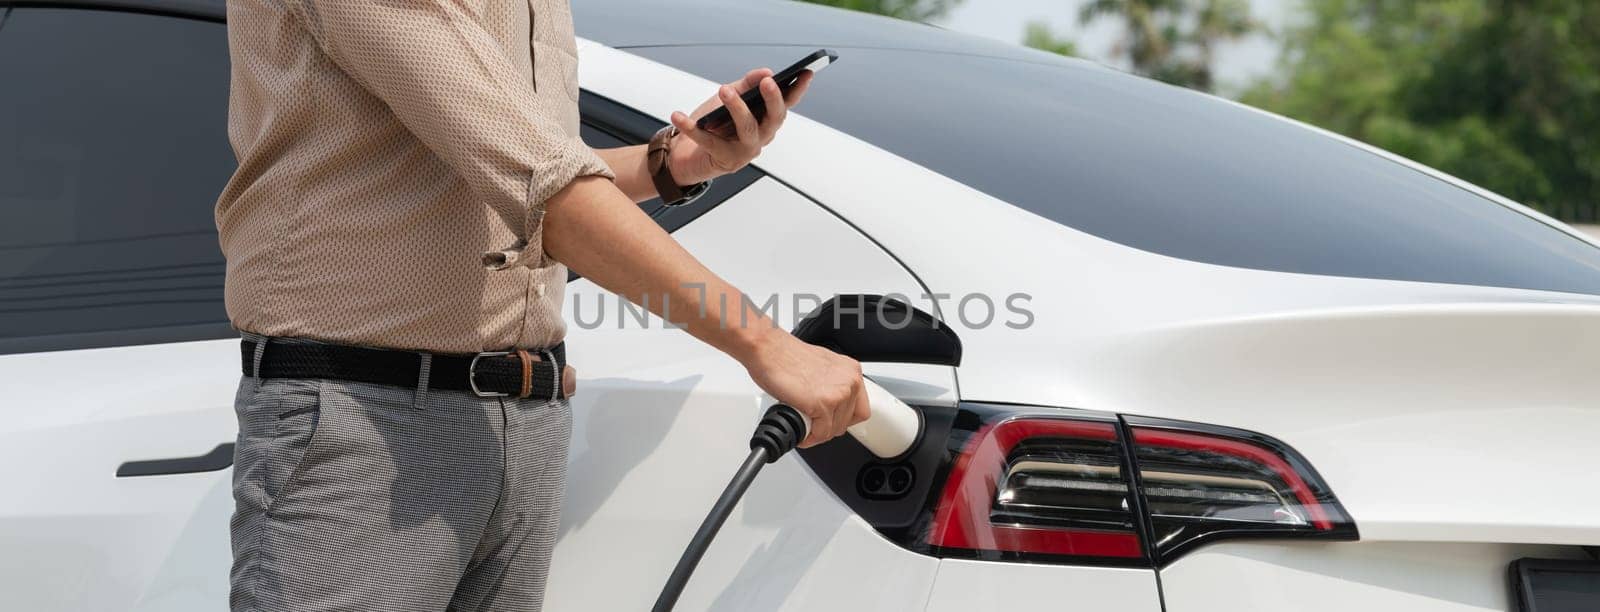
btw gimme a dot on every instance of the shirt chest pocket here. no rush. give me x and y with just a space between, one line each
555 50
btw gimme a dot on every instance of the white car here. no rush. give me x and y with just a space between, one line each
1212 359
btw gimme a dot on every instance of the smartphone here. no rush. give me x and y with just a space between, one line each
720 122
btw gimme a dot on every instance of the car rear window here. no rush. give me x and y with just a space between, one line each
1167 170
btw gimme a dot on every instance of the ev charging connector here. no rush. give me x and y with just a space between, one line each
889 432
895 332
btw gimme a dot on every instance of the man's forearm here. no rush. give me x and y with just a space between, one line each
592 228
632 168
633 173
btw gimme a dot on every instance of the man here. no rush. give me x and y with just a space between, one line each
410 184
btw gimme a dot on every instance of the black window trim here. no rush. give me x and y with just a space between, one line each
203 10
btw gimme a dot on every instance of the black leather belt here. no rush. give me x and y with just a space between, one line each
517 373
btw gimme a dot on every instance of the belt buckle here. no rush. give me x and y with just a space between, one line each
472 374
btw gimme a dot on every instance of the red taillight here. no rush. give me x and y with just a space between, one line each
1036 485
1201 483
1039 486
1147 439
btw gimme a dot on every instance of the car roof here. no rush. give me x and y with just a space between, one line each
1144 164
772 23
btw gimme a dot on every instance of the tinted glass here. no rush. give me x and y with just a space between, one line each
112 151
1167 170
659 23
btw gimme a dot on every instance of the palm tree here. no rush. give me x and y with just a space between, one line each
1174 40
1218 21
1148 35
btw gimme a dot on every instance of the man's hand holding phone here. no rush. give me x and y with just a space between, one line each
723 135
702 155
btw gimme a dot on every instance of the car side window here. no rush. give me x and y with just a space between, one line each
113 148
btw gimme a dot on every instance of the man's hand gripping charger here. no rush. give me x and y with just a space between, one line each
889 432
842 325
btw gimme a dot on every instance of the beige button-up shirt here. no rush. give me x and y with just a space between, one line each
394 161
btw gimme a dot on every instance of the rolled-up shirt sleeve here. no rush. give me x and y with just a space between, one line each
448 81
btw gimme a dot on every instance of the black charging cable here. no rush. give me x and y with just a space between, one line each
777 434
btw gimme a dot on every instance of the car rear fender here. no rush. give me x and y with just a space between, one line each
1445 422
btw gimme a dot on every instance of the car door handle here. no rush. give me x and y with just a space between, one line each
219 458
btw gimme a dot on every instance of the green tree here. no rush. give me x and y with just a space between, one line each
1039 36
1174 40
1503 93
914 10
1217 21
1148 34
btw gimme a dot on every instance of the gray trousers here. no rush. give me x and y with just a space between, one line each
354 496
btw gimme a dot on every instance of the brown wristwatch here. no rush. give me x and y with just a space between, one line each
657 154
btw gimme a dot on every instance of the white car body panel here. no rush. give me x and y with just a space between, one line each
76 537
1338 577
1434 422
980 586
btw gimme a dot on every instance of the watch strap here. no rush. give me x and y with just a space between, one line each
657 153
